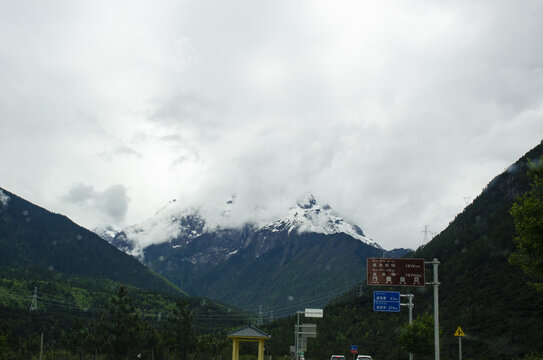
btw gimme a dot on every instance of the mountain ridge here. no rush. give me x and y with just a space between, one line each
217 261
306 216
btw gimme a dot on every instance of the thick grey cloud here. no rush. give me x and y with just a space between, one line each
390 112
114 201
110 204
81 193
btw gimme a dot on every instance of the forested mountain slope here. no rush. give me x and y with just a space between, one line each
34 239
77 276
480 290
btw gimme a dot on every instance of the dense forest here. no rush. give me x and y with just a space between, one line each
92 322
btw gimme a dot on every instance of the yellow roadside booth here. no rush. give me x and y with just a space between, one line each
248 333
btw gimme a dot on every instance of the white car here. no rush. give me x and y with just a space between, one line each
363 357
338 357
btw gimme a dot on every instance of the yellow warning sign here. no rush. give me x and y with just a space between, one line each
459 332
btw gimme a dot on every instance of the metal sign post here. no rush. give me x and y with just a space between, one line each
302 332
405 272
460 334
435 284
297 336
410 305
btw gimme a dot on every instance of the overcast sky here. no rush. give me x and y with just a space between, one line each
392 112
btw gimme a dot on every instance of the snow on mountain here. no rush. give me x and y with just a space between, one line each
308 216
107 233
180 226
3 199
170 222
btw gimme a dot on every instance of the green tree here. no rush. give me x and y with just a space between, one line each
123 325
181 335
99 339
77 337
418 337
5 341
527 213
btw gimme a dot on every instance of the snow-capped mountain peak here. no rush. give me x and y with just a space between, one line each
309 216
307 201
179 226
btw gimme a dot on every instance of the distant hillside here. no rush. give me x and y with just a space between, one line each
480 291
34 238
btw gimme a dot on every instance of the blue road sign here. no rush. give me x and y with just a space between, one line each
388 301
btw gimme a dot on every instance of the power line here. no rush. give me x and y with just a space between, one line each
337 294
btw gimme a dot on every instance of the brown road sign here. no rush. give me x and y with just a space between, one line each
395 272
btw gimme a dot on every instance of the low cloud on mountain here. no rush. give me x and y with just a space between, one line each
3 199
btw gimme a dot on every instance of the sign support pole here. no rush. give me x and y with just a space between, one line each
309 330
435 283
410 297
410 305
405 272
460 333
297 335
